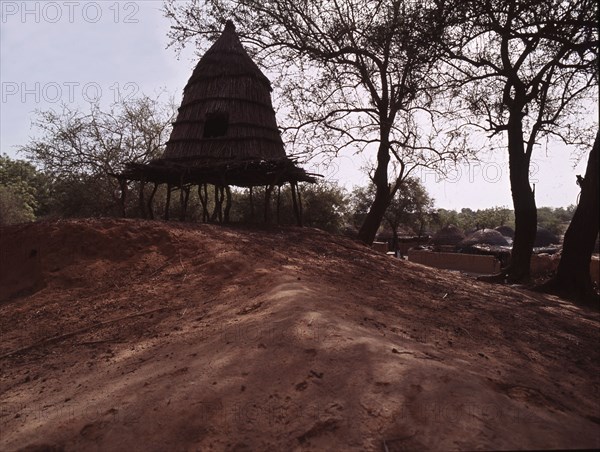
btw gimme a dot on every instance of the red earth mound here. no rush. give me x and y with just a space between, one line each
152 336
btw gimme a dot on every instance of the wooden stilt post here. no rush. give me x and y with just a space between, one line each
201 200
293 187
227 203
168 203
203 196
251 206
186 198
181 200
218 212
141 199
150 200
122 198
215 213
221 192
278 203
300 208
268 190
206 212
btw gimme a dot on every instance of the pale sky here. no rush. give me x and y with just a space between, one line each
72 51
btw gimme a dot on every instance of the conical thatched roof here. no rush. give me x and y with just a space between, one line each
543 237
226 110
485 237
506 231
448 235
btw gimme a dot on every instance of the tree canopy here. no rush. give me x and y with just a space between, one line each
527 70
23 191
411 207
353 75
81 151
101 141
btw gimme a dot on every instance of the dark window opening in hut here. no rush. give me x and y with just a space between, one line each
216 125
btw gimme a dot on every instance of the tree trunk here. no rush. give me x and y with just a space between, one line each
369 228
572 278
524 204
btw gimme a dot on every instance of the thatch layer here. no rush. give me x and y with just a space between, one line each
228 83
448 235
226 149
485 237
543 237
506 231
227 58
225 132
220 172
238 87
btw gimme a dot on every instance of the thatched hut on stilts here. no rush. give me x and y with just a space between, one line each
225 135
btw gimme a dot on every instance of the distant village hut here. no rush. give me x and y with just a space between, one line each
447 237
544 237
506 231
484 237
225 134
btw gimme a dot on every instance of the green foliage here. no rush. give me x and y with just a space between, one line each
82 195
80 152
23 191
468 219
13 208
556 220
445 217
490 218
324 206
411 206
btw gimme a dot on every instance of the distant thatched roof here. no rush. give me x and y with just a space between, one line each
506 231
543 237
448 235
485 237
226 110
386 233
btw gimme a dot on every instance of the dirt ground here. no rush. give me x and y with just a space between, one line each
132 335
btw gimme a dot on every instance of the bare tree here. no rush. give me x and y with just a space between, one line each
351 75
71 141
84 150
527 69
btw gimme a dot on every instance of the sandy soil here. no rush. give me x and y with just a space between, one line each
146 336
